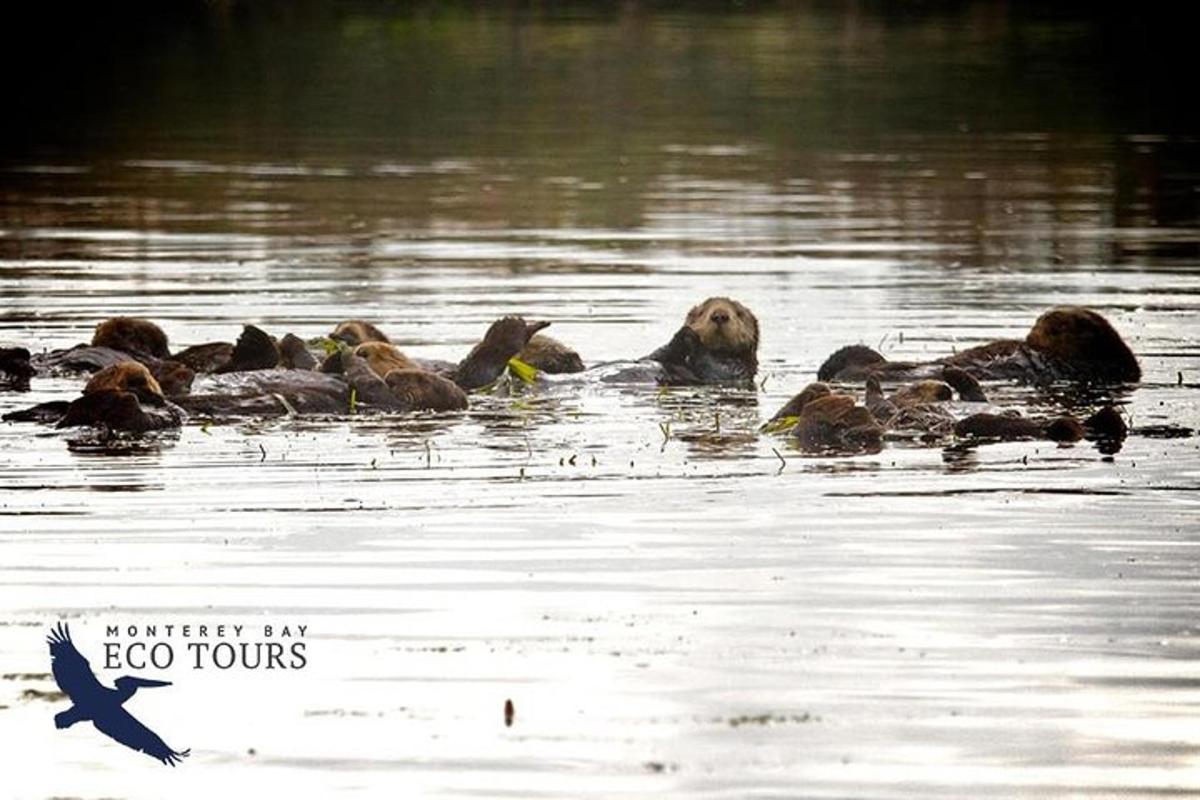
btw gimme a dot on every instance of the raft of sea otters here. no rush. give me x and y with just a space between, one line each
138 384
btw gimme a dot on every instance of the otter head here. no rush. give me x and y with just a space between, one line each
795 406
138 337
127 376
173 378
1085 342
382 357
725 327
356 331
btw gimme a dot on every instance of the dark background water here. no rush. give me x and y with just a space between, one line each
675 602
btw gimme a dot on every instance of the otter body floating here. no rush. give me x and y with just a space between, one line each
1068 343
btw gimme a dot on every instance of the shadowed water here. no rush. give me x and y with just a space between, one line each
675 603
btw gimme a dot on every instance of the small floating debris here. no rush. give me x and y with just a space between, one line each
509 713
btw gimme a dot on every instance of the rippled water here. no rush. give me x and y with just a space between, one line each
674 602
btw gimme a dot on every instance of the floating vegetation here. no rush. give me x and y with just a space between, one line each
524 372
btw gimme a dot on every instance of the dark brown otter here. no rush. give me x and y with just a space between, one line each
115 410
205 358
133 335
123 397
355 332
254 350
829 422
920 407
174 378
550 356
15 369
129 376
718 343
836 422
1066 343
1105 425
294 354
418 390
486 362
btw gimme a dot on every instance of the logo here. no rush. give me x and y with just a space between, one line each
104 707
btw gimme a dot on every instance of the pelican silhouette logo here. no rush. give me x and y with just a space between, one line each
101 705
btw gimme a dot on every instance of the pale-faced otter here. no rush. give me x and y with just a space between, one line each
718 344
355 332
550 356
1065 344
133 335
382 358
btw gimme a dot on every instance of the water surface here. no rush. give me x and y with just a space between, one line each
674 602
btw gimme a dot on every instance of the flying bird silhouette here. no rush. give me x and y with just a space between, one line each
103 706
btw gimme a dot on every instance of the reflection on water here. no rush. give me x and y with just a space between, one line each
674 601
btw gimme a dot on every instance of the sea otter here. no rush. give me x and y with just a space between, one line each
1106 425
133 335
1068 343
550 356
15 368
122 397
718 344
505 338
822 420
371 377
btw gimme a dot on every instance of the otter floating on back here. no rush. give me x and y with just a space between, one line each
1068 343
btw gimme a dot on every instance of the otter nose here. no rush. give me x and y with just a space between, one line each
720 317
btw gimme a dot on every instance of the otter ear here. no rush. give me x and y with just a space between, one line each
694 314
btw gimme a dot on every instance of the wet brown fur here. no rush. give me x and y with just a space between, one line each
356 331
128 376
382 358
133 335
725 326
419 390
550 355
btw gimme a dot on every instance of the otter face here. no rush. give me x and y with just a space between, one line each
174 378
725 326
355 332
1085 341
382 357
138 337
128 376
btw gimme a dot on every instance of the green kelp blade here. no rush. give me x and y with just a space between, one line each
780 425
329 345
525 372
